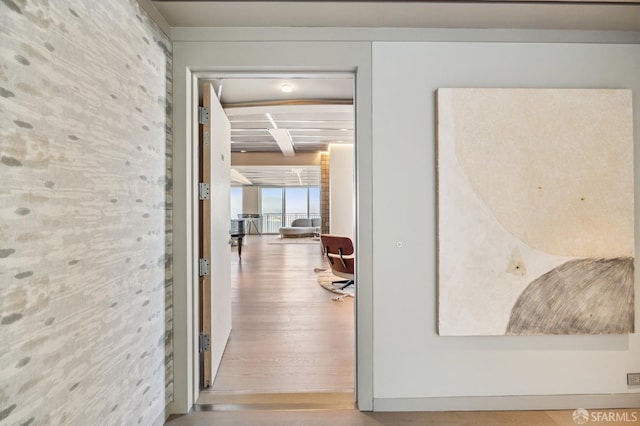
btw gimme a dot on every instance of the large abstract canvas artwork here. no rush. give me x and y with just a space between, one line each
535 211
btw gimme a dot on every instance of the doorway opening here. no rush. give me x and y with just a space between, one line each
291 340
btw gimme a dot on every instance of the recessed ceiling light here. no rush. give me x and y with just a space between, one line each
243 150
286 88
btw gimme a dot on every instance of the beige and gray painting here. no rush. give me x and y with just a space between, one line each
535 211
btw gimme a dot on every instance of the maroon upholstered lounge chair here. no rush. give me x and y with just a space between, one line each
340 253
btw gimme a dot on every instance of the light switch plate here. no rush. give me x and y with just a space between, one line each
633 379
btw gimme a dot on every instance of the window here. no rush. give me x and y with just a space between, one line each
314 201
280 206
296 201
271 209
271 200
236 201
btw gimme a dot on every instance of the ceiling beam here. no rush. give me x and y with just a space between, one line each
283 139
236 176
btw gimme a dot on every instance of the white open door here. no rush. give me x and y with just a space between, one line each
215 220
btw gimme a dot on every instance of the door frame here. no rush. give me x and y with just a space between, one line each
195 60
208 76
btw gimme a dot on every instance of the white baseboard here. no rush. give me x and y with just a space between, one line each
504 403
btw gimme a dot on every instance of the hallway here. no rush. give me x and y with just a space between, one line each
288 335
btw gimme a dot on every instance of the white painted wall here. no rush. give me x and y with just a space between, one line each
195 58
342 190
250 199
398 348
251 204
410 359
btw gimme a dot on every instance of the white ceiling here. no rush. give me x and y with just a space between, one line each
616 15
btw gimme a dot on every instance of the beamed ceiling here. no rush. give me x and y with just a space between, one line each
313 113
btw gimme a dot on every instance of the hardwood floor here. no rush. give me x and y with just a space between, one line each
288 335
353 417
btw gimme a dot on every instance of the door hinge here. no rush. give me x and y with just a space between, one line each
203 115
204 342
203 267
203 191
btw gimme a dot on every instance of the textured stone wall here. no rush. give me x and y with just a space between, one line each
325 210
85 214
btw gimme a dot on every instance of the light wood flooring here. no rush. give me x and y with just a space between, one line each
290 358
246 416
288 335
